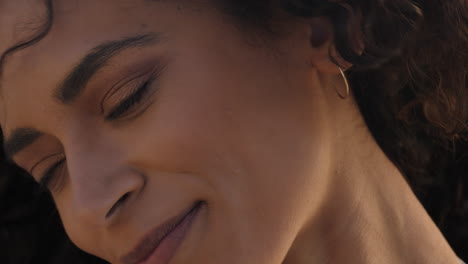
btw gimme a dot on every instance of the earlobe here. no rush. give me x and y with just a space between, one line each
325 57
321 42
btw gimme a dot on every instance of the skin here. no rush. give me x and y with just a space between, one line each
288 170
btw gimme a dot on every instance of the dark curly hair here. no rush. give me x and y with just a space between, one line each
410 82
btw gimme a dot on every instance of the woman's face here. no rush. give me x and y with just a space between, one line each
136 110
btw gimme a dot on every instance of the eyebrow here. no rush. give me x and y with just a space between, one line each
20 139
75 82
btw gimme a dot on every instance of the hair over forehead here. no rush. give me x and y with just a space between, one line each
43 28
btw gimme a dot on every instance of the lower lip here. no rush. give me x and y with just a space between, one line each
169 245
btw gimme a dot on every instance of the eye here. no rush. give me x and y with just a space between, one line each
49 169
52 176
130 102
135 95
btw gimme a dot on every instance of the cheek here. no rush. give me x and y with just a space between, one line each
220 110
260 146
78 232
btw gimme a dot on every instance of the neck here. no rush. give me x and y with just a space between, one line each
371 214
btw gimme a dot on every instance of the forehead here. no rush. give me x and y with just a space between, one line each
76 24
31 74
17 16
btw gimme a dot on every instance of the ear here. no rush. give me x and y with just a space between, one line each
323 54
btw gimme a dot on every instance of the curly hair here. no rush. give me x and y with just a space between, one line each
410 82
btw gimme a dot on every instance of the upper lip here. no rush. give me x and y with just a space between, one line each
153 238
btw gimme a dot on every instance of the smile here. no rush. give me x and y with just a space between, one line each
161 244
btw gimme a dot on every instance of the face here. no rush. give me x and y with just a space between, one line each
132 112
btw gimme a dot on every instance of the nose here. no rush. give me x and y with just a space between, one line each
100 184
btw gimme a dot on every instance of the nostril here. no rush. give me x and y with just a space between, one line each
118 204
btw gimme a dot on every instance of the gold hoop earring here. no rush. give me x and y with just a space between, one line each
348 90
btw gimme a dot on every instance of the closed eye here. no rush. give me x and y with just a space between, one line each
51 175
137 97
130 101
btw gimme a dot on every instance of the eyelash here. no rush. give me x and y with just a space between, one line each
116 113
129 102
51 173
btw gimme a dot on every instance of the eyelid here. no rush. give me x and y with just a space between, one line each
137 98
152 72
31 171
114 89
50 178
48 175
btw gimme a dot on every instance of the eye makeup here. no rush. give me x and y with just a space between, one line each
52 176
130 102
128 99
49 176
123 100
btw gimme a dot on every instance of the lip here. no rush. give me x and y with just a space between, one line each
159 245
